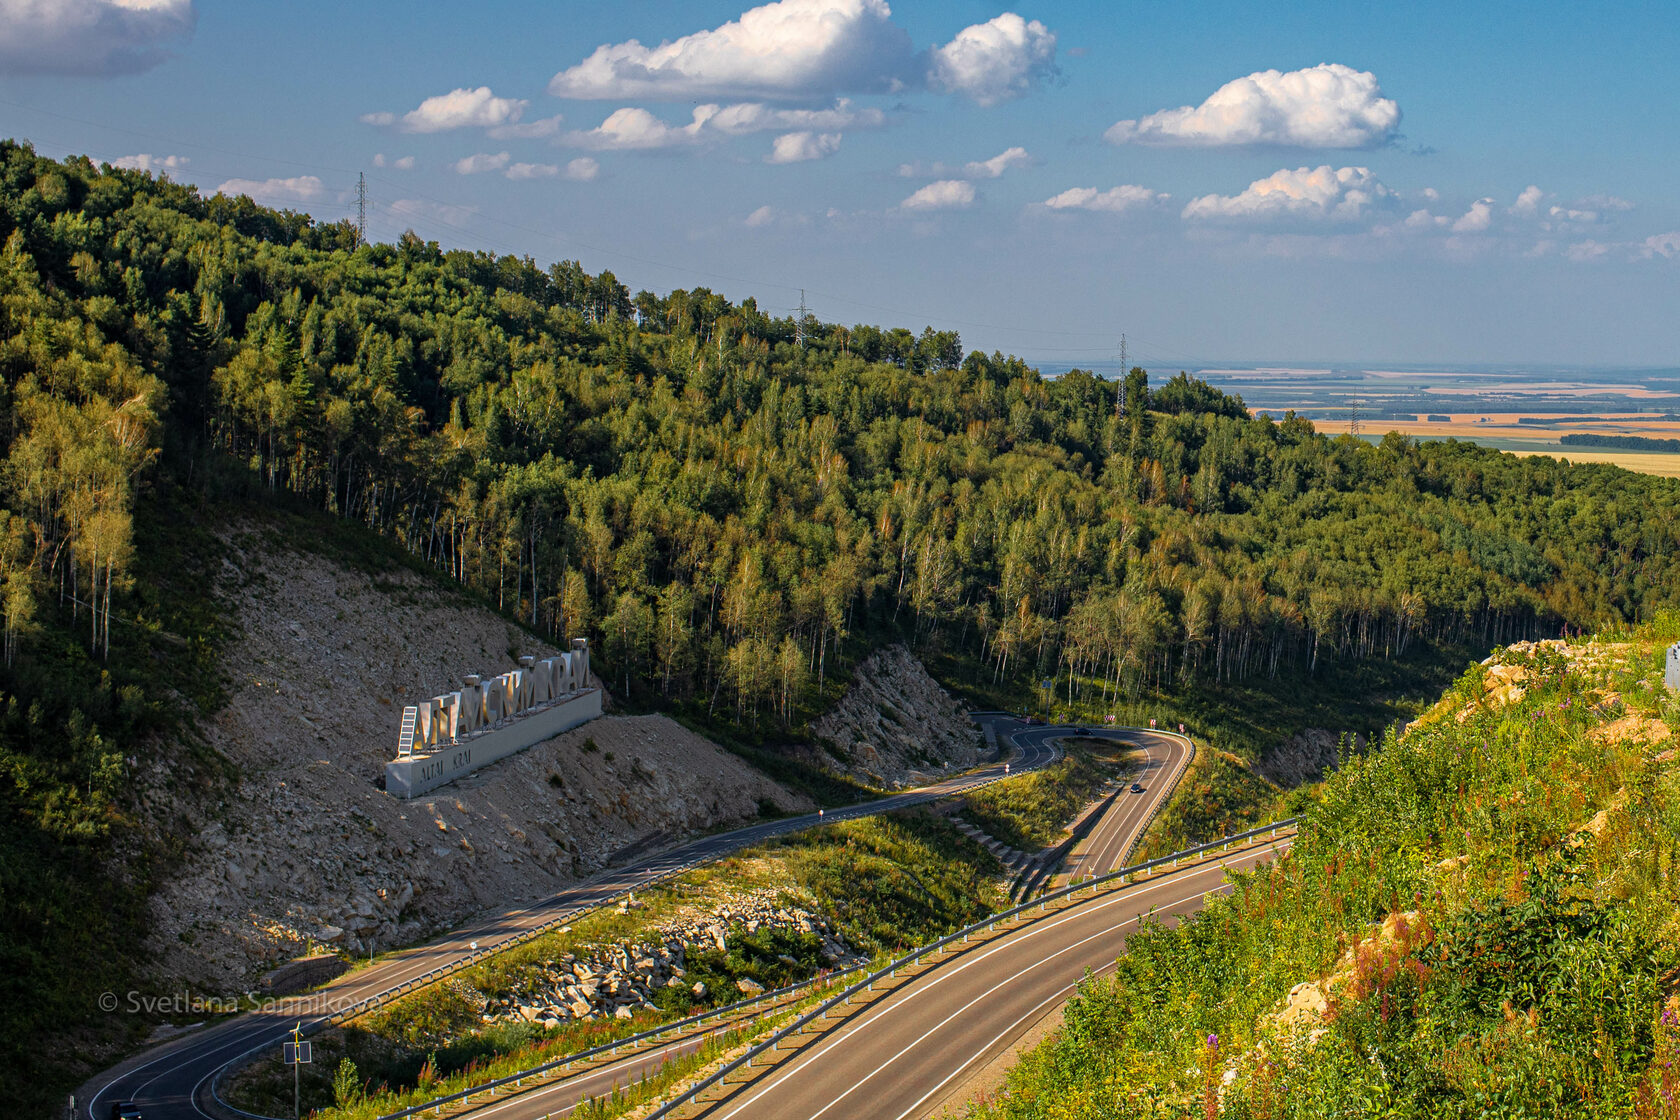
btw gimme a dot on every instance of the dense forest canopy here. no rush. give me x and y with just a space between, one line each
718 497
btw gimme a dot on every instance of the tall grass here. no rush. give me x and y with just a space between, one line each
1487 956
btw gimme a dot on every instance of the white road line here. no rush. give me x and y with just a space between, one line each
1032 1015
1001 984
875 1015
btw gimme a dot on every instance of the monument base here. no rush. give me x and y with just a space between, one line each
419 773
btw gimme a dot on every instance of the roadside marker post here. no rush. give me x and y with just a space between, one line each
297 1053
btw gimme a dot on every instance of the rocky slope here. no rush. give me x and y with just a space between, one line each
1305 756
618 980
306 851
895 726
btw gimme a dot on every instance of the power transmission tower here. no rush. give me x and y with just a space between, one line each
1120 399
799 323
361 209
1353 416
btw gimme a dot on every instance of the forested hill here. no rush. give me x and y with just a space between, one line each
719 497
717 503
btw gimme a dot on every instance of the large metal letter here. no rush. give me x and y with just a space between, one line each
472 706
580 653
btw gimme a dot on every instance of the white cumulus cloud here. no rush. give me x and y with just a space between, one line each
401 163
1321 193
90 36
633 128
1324 106
796 147
974 169
994 61
528 130
275 192
1660 245
745 117
763 216
1528 202
481 163
1476 219
997 165
946 194
582 170
145 161
1115 200
532 171
787 49
459 108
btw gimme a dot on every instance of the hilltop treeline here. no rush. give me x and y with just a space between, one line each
718 495
1629 443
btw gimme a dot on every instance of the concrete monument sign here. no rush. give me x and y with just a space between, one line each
1671 671
456 733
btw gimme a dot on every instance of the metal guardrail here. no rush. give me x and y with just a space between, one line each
1183 769
628 1041
1048 863
868 982
443 971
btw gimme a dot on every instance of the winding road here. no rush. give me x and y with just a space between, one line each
168 1082
904 1054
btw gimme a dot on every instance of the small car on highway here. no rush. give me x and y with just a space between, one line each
1136 788
125 1110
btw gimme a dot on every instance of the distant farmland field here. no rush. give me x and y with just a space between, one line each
1501 431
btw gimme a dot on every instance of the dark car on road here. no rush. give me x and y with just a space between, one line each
1136 788
125 1110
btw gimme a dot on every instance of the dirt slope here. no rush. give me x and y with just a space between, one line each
307 851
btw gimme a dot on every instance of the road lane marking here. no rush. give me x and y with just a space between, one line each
1001 984
880 1012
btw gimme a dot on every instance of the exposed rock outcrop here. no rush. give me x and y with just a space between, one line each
896 726
1304 757
306 853
616 981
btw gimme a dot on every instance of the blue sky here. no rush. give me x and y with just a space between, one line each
1222 181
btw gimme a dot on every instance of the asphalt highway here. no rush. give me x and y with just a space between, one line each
902 1056
899 1058
1042 963
1110 841
168 1081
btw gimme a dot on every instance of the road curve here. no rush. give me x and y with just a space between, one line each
1164 756
167 1081
1111 840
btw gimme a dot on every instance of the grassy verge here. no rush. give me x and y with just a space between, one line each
1032 811
885 884
1219 795
1486 908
